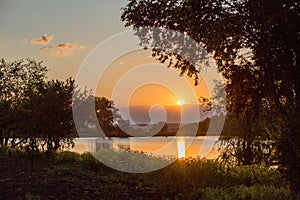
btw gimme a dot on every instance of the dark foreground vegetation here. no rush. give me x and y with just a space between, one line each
68 175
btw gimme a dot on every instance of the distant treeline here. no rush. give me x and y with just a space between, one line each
158 129
177 129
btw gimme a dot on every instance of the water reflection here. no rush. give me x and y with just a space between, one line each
179 147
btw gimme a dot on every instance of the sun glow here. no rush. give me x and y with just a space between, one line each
180 102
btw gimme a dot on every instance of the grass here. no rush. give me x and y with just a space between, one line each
68 175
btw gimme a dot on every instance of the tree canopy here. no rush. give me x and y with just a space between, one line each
36 113
16 79
255 44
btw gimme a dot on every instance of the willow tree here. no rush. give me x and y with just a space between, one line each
255 44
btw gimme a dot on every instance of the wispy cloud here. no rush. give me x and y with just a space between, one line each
67 45
43 40
46 47
82 47
61 50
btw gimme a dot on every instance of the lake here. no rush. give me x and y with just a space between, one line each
180 147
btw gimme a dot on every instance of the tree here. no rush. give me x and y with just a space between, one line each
46 116
91 111
16 78
105 115
37 114
256 47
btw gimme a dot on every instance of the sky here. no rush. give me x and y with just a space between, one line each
63 33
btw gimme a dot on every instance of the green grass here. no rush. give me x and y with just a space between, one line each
68 175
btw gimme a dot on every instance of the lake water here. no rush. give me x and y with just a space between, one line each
202 146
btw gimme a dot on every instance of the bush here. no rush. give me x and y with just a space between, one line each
67 157
135 162
89 162
10 152
253 175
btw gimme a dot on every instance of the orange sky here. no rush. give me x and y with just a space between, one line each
63 47
148 93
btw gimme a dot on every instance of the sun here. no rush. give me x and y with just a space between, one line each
180 102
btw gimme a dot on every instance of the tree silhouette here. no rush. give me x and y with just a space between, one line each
256 47
16 79
47 115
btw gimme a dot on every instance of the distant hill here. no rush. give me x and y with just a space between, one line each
174 113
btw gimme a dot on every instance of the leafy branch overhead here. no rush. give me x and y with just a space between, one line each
255 44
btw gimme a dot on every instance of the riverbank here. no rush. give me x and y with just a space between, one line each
68 175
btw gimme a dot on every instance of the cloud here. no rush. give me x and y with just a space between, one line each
61 53
82 47
63 50
46 47
43 40
60 50
67 49
67 45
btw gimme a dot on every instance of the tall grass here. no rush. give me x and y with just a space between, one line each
183 179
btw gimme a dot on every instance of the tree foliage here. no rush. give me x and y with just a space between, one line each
36 114
90 111
46 115
256 47
16 79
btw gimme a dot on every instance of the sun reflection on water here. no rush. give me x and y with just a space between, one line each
180 147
